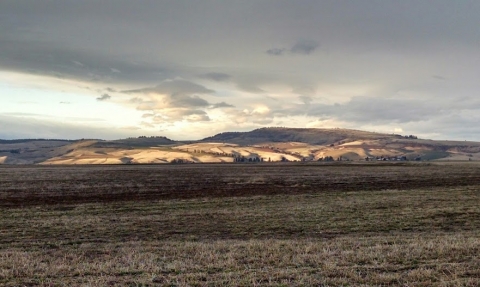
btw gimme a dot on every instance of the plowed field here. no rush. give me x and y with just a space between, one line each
38 185
407 224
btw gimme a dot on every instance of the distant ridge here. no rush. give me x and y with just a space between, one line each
312 136
16 141
142 141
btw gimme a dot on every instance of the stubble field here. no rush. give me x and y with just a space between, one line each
240 225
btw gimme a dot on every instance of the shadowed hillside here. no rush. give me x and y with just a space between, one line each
136 142
310 136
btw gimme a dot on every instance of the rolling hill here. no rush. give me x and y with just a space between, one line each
309 136
265 144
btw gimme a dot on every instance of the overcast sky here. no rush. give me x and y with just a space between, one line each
190 69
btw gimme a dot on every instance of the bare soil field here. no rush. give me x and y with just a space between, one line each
240 225
36 185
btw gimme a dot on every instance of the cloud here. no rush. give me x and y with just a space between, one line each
258 115
173 101
366 110
181 114
147 124
251 88
157 102
306 99
198 118
94 67
175 86
180 100
170 94
217 77
78 63
48 117
148 115
304 47
136 100
104 97
276 51
371 54
23 114
14 127
221 105
133 128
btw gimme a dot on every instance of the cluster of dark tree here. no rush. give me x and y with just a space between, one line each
249 159
330 158
339 143
212 152
150 137
392 158
236 157
411 137
327 158
180 161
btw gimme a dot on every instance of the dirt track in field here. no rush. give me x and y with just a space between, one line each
39 185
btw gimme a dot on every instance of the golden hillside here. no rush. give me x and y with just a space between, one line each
261 145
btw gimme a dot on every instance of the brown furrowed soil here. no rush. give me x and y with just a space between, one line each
240 225
37 185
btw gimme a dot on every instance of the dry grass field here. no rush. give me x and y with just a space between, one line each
240 225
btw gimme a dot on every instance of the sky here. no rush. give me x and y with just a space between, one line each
190 69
